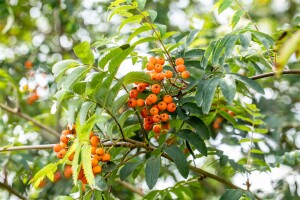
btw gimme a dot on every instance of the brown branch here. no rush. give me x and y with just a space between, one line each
27 117
288 71
135 144
131 187
11 190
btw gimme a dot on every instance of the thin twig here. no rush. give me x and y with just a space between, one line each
12 190
27 117
131 187
289 71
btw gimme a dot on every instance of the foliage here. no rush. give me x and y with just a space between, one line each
219 102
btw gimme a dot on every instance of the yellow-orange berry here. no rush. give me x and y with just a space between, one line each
168 74
106 157
97 169
179 61
180 68
168 99
155 88
95 141
57 148
171 107
156 118
185 74
158 68
133 93
161 61
164 117
162 105
153 60
154 111
150 66
131 103
100 151
156 129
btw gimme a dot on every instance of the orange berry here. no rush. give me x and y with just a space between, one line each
28 64
94 141
97 169
63 145
231 113
154 111
156 129
154 76
164 117
141 87
158 68
148 126
162 105
152 60
133 93
161 61
93 150
168 99
98 157
68 171
91 134
100 151
148 102
144 112
150 66
57 148
160 76
171 107
156 118
180 68
179 61
66 132
94 162
152 98
106 157
146 84
61 153
131 103
185 74
42 184
71 157
168 74
155 88
64 139
57 176
140 102
149 120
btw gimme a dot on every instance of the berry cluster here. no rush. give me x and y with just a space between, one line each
97 153
153 101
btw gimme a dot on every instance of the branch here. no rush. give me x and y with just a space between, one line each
12 190
131 187
289 71
27 117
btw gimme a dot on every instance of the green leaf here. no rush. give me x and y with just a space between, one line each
200 127
218 50
223 160
265 39
105 59
128 169
84 53
243 128
179 159
245 39
87 165
76 75
141 4
40 175
100 183
63 198
152 14
120 10
249 82
228 88
162 29
132 19
209 93
75 163
236 17
143 40
113 92
250 195
124 116
227 116
133 77
119 103
152 171
61 67
194 139
230 45
261 130
194 53
118 59
224 5
83 111
232 194
83 130
79 88
208 51
199 97
138 31
257 151
191 37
